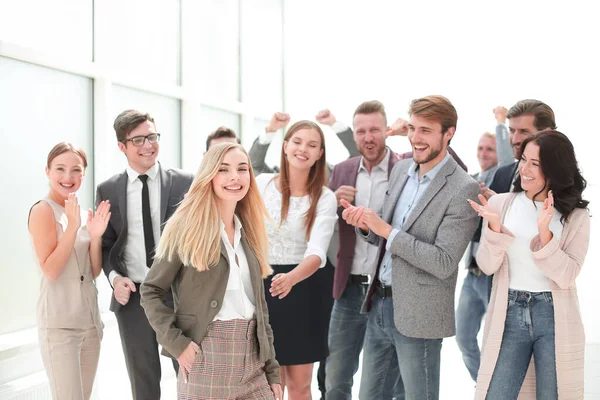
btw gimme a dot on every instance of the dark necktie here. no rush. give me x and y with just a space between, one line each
147 218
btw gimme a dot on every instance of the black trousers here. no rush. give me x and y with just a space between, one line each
140 349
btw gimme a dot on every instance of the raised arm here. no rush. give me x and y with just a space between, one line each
258 151
503 147
343 132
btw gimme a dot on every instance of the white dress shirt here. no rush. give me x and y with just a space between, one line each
521 220
135 248
287 240
370 193
239 302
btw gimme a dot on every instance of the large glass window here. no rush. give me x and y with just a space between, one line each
39 107
211 50
194 141
261 54
140 38
55 27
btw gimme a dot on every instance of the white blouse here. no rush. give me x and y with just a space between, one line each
521 220
287 241
239 302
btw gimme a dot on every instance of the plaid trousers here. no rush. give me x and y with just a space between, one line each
227 366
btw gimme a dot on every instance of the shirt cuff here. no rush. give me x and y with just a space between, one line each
111 277
266 137
390 239
339 127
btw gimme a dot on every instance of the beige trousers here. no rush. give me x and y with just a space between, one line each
70 358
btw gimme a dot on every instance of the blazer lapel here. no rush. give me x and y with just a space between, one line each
434 187
393 193
165 192
121 190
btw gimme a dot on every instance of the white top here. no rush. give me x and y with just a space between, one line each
370 193
239 301
521 220
135 247
287 241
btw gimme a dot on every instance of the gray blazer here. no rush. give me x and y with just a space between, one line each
258 153
198 298
426 252
174 184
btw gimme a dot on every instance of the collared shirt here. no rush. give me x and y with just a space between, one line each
370 193
135 248
411 193
239 302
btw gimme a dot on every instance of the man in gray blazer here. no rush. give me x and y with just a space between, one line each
142 198
425 229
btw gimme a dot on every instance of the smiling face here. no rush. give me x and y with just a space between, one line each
303 148
369 135
65 174
486 152
530 170
141 158
428 142
233 177
520 128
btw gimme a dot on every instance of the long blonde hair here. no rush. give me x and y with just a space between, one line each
193 233
316 177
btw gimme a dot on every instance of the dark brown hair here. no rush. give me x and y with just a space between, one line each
221 132
371 107
316 177
560 170
64 147
127 121
542 113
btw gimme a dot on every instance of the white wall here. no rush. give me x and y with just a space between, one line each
478 54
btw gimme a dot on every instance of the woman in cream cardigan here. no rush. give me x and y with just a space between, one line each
534 241
213 255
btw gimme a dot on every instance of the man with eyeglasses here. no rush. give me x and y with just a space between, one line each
142 199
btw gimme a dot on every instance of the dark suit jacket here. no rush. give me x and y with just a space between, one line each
345 174
503 180
174 184
198 299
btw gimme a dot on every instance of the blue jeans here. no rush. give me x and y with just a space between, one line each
528 330
346 337
418 359
472 305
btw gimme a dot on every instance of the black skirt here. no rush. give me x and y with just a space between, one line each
300 321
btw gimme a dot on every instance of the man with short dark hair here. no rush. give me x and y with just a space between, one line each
425 227
142 198
220 135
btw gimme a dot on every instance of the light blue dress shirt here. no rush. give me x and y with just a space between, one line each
411 193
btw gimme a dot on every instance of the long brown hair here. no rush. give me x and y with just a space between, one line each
316 177
193 233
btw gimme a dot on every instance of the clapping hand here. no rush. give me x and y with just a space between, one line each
96 224
487 212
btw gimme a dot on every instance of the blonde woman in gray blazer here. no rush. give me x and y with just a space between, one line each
70 258
213 256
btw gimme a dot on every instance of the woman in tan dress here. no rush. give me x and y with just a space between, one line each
70 258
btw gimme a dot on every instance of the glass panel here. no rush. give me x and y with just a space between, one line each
59 26
141 37
261 54
209 119
212 58
39 107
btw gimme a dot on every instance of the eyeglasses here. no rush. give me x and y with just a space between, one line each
140 140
